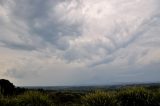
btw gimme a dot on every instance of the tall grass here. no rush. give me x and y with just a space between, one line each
30 98
135 97
34 98
99 98
124 97
157 98
8 101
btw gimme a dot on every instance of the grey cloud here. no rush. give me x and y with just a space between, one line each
94 35
36 15
43 21
139 38
19 46
20 74
106 60
116 41
122 74
146 73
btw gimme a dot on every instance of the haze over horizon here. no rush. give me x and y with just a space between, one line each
79 42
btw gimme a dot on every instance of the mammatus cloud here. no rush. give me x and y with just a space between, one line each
79 41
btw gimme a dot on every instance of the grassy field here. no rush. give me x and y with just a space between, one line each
126 96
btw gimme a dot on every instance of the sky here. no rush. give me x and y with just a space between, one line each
79 42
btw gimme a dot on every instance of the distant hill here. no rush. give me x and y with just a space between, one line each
94 87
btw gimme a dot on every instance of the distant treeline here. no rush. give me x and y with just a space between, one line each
126 96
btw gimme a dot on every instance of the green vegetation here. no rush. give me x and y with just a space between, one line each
157 98
29 98
123 97
133 96
99 98
136 97
34 98
66 98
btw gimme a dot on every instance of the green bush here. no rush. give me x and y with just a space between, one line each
34 98
135 97
157 98
65 98
99 98
7 101
1 95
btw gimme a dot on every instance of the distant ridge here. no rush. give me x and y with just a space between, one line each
93 87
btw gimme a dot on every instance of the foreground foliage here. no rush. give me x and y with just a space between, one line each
134 96
99 98
34 98
31 98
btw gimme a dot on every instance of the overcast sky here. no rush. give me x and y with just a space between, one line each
79 42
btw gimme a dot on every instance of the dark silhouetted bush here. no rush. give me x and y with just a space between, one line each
6 88
19 90
65 98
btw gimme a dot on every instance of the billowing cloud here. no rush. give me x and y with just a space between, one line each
64 42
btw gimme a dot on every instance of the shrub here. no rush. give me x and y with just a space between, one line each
135 97
34 98
1 95
7 101
157 98
6 87
65 98
99 98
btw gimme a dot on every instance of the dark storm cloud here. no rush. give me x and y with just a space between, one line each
42 21
39 17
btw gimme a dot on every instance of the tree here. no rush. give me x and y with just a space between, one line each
6 87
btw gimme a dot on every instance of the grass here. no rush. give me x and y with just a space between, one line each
99 98
157 98
34 98
29 98
135 96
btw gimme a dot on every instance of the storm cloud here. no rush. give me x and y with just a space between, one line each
73 42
